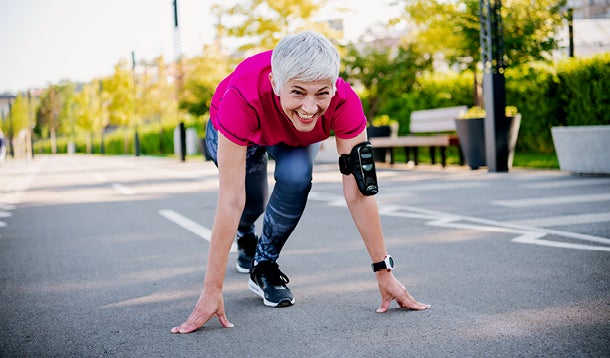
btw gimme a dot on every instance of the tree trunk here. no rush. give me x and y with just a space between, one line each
53 141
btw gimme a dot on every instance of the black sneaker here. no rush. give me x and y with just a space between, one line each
246 248
267 281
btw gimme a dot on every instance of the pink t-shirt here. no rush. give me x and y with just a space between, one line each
245 109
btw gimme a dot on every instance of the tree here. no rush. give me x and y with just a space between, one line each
87 111
262 23
20 113
157 101
383 74
202 76
530 28
452 28
119 88
120 98
48 114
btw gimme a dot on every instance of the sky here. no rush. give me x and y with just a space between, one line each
45 41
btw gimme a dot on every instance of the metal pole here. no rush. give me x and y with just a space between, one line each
494 94
571 32
136 139
30 138
10 133
178 71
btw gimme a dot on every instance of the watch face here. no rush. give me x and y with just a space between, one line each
391 260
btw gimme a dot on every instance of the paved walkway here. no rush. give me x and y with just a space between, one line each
101 256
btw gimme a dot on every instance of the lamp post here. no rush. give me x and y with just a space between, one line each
178 71
10 133
494 92
136 139
571 32
30 137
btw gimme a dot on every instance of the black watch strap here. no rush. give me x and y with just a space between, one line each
386 264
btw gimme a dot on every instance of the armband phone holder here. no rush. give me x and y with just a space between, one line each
361 163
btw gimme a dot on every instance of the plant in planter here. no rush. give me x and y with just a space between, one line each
381 126
471 132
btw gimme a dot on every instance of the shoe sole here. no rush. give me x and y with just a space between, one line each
283 303
242 269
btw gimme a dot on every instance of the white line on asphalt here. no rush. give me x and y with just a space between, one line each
564 183
435 186
520 203
98 177
122 189
190 225
5 214
565 220
527 234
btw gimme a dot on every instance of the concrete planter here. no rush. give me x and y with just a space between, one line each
381 131
583 149
472 140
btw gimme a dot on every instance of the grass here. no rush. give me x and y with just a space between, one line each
536 161
521 160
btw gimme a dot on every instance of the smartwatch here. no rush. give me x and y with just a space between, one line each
386 264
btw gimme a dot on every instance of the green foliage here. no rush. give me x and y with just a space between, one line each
573 92
529 28
584 92
260 24
479 112
120 90
432 90
533 89
19 115
383 74
202 76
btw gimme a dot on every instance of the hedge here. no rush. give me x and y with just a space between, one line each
569 92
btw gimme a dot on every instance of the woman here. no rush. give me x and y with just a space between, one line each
283 102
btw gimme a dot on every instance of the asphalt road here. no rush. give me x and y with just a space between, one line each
101 256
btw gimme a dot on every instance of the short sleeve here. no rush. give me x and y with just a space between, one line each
235 118
349 119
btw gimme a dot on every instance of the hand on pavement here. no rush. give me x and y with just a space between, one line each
208 306
391 289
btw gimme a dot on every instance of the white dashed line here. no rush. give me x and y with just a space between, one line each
122 189
568 199
190 225
526 234
563 220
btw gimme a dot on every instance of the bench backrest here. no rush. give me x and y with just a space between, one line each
435 120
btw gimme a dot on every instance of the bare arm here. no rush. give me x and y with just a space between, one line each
365 214
231 201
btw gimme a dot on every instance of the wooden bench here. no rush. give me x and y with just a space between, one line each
438 131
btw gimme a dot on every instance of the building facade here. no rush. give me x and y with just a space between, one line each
590 9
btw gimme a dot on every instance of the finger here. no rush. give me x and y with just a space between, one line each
222 318
385 304
409 302
186 327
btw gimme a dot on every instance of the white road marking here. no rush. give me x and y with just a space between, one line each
98 177
122 189
564 183
565 220
526 234
190 225
568 199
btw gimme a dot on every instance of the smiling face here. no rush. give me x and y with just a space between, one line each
305 102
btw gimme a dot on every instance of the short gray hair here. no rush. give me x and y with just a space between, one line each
307 56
